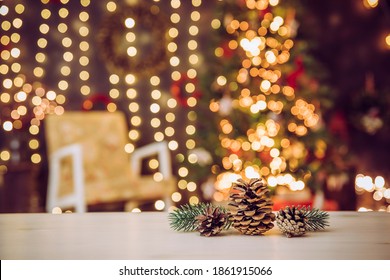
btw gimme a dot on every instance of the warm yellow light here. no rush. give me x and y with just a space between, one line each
38 72
215 23
68 56
175 18
172 47
195 16
131 93
56 210
172 103
192 101
221 80
191 73
173 32
379 182
62 27
36 158
388 40
170 117
111 6
85 3
15 37
45 13
175 75
159 136
83 31
84 46
111 107
7 126
84 16
84 61
114 79
5 55
176 197
196 3
175 4
155 122
51 95
130 79
42 43
131 51
193 30
173 145
191 186
190 144
63 12
85 90
133 135
4 10
5 97
154 81
136 121
63 85
169 131
114 93
265 85
129 22
5 155
159 205
154 108
44 28
156 94
133 107
192 45
84 75
370 3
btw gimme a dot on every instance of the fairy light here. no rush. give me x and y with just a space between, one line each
370 4
266 46
377 186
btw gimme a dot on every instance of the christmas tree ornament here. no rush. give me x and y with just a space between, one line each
184 218
211 222
252 207
295 221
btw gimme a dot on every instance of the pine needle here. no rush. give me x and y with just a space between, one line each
183 218
316 219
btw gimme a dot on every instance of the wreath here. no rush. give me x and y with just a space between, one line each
150 30
178 90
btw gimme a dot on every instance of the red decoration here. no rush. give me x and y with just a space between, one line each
293 77
262 13
98 98
178 89
338 125
227 52
55 1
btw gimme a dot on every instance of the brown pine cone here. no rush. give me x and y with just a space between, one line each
292 221
252 213
211 222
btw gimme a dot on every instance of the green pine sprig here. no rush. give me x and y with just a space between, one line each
184 217
316 219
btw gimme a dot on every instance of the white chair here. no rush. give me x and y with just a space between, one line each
88 164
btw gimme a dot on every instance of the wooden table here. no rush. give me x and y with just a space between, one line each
147 235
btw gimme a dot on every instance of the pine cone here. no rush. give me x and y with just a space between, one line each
211 222
292 221
252 213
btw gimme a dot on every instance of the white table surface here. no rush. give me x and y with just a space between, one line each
147 235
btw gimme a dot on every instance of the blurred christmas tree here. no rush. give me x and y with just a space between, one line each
264 98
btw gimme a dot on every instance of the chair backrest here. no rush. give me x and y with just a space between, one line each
102 136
